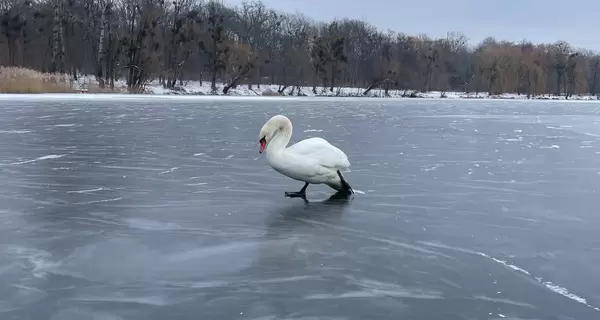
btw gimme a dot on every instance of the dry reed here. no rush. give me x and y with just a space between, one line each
22 80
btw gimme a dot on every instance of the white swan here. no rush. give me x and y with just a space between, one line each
313 160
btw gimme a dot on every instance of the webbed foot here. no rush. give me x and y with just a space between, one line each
298 194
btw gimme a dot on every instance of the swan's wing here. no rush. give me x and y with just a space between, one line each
321 151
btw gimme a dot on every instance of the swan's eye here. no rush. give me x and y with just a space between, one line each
264 139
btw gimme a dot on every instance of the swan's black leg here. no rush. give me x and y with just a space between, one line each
298 194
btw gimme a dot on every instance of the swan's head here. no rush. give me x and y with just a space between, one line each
271 128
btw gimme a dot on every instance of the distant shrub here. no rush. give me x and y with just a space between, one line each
272 93
22 80
95 88
410 94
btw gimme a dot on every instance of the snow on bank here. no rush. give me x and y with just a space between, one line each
204 88
197 88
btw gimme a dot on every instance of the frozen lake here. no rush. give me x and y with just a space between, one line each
152 208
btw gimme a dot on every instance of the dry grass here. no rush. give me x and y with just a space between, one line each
22 80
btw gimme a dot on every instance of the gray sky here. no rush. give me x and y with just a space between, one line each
534 20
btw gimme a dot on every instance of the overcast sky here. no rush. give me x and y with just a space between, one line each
534 20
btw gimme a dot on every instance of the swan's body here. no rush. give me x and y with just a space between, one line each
313 160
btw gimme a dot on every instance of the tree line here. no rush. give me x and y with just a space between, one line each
250 44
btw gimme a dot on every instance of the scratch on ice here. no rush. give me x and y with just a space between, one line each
169 171
100 201
48 157
551 286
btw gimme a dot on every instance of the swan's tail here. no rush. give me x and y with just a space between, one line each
345 185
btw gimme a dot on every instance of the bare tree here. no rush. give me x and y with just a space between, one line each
212 41
177 35
144 40
101 61
594 73
255 23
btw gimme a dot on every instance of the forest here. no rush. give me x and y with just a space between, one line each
251 44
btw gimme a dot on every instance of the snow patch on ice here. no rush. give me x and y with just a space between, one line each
65 125
506 264
86 191
196 184
169 170
15 131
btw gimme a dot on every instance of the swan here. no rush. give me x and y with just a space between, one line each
312 161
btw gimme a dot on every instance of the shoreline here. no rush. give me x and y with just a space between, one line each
86 87
191 96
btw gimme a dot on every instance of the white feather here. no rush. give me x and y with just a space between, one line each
313 160
321 150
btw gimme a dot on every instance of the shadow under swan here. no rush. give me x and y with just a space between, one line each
304 216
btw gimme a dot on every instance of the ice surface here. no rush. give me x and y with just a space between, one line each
124 207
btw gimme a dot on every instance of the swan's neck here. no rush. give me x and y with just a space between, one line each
280 141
